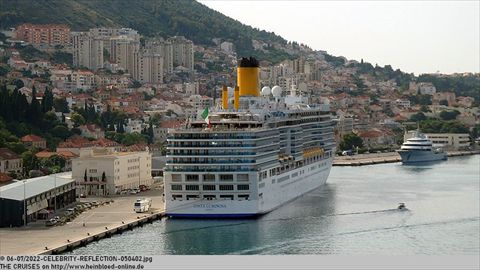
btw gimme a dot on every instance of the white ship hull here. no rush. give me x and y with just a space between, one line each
272 193
414 156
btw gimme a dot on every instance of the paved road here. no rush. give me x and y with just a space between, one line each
34 238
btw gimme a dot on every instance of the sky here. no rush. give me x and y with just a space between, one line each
415 36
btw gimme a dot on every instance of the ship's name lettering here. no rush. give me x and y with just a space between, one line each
204 205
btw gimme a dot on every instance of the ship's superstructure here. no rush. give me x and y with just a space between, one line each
251 154
419 148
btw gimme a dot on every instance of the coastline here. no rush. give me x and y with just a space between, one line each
91 225
380 158
105 221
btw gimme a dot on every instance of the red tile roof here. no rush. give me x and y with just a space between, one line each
171 123
5 178
32 138
6 154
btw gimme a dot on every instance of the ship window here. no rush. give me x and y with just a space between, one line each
176 187
192 197
176 177
208 187
243 197
192 177
209 178
191 187
226 177
177 196
226 187
226 197
244 177
209 197
243 187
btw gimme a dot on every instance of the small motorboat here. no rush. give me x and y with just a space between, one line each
401 206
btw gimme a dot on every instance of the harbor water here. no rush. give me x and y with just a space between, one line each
353 214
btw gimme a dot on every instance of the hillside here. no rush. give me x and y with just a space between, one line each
156 17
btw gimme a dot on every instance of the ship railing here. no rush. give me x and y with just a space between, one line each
211 162
215 154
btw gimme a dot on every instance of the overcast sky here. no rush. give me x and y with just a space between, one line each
415 36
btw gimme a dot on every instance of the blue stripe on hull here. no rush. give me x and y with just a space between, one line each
246 215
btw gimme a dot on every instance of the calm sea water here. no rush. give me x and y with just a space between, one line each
354 213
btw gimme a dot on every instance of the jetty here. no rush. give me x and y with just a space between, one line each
91 225
390 157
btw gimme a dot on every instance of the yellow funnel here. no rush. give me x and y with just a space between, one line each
236 97
225 98
247 77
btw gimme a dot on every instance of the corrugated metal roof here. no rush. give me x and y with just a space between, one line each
35 186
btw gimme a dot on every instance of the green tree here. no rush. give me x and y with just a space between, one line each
77 119
61 131
30 162
135 84
350 141
47 101
418 117
449 115
443 102
61 105
133 138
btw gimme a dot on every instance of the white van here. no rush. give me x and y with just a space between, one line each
142 205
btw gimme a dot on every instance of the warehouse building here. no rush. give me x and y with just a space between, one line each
26 200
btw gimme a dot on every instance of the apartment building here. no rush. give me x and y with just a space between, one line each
122 50
451 141
148 67
104 172
182 52
73 80
43 34
87 50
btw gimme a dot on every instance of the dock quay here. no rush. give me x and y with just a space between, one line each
91 225
390 157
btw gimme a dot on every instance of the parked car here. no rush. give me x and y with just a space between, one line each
51 222
132 191
70 211
144 188
95 203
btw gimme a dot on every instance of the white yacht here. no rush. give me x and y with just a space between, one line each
419 148
249 155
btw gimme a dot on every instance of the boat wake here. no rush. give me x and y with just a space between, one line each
284 244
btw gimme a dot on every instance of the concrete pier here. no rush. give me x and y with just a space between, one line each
91 225
390 157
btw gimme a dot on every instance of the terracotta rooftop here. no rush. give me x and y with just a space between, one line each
6 154
5 178
32 138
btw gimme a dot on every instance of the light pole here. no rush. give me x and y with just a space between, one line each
24 203
55 192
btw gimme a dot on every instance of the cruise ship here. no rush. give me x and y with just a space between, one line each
255 151
419 148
